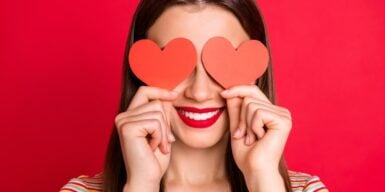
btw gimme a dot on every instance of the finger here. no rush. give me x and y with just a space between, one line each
247 111
249 108
146 94
268 106
250 137
251 115
152 115
167 107
239 132
234 109
276 134
147 127
245 91
150 106
164 143
162 106
266 120
249 105
155 105
242 126
257 125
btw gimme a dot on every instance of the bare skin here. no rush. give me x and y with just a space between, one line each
192 159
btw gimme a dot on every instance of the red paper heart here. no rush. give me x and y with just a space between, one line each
229 66
164 69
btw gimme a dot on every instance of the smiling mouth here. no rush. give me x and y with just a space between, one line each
199 118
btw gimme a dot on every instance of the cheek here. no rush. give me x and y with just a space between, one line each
226 114
173 118
225 123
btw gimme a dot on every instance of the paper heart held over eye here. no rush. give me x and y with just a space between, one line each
168 67
163 68
229 66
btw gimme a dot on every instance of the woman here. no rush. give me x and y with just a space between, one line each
153 149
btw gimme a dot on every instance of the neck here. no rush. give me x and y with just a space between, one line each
192 166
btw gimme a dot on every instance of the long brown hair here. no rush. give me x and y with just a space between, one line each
114 175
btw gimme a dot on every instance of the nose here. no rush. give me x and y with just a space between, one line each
201 87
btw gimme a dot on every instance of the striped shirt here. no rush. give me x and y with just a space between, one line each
300 182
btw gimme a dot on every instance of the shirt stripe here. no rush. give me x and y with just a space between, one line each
300 182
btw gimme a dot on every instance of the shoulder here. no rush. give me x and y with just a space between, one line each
84 183
304 182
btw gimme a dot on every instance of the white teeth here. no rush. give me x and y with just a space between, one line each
199 116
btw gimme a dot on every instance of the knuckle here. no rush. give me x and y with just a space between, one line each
259 112
142 88
288 112
153 123
245 103
284 109
118 120
248 101
158 106
249 109
157 114
254 86
123 130
252 106
119 117
158 103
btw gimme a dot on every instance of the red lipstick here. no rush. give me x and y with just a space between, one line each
199 118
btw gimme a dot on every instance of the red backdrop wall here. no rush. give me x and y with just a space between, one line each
60 81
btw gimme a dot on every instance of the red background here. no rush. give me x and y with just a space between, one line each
60 81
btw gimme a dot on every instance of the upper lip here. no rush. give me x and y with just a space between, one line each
198 110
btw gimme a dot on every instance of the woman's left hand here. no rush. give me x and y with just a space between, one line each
256 151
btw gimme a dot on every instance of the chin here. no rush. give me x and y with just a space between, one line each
200 141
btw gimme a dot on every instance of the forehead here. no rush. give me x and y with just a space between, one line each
198 23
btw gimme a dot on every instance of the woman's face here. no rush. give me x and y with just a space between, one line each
198 23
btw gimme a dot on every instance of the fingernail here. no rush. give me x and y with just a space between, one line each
225 92
171 137
251 141
237 133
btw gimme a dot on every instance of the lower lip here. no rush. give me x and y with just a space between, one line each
200 124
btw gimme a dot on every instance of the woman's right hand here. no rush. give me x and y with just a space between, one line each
145 137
